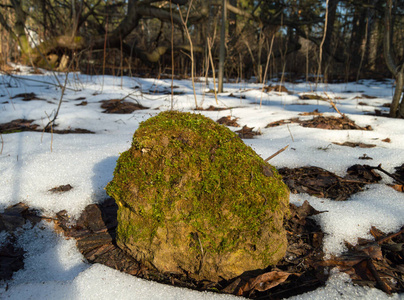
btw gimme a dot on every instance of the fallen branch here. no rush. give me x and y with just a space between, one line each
379 168
277 152
390 236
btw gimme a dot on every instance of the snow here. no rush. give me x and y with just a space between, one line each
31 163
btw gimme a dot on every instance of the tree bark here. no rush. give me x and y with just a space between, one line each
373 48
397 105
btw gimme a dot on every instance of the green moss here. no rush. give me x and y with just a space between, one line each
185 171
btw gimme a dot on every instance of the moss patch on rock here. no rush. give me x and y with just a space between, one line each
194 199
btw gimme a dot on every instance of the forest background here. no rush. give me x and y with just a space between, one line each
311 40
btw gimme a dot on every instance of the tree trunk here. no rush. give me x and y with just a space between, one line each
19 30
373 44
397 105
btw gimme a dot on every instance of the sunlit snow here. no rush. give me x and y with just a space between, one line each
31 163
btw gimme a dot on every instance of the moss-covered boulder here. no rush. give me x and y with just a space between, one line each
194 199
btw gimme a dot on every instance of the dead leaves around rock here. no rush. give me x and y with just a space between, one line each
246 286
318 182
293 274
94 232
375 263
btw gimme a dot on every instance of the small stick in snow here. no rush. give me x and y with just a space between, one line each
379 167
277 152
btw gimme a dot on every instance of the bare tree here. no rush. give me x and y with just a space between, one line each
397 68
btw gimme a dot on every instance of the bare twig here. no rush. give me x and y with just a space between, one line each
333 105
213 68
61 97
51 131
184 22
105 54
383 286
266 68
172 57
2 144
277 152
390 236
290 132
379 168
322 42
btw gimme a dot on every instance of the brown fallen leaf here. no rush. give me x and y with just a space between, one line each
306 210
372 250
228 121
61 188
386 140
264 282
376 233
398 187
247 132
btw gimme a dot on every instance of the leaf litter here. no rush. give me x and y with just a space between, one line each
323 122
22 125
377 263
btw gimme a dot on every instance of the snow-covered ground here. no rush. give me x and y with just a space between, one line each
31 163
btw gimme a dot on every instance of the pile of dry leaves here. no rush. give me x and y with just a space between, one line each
323 122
